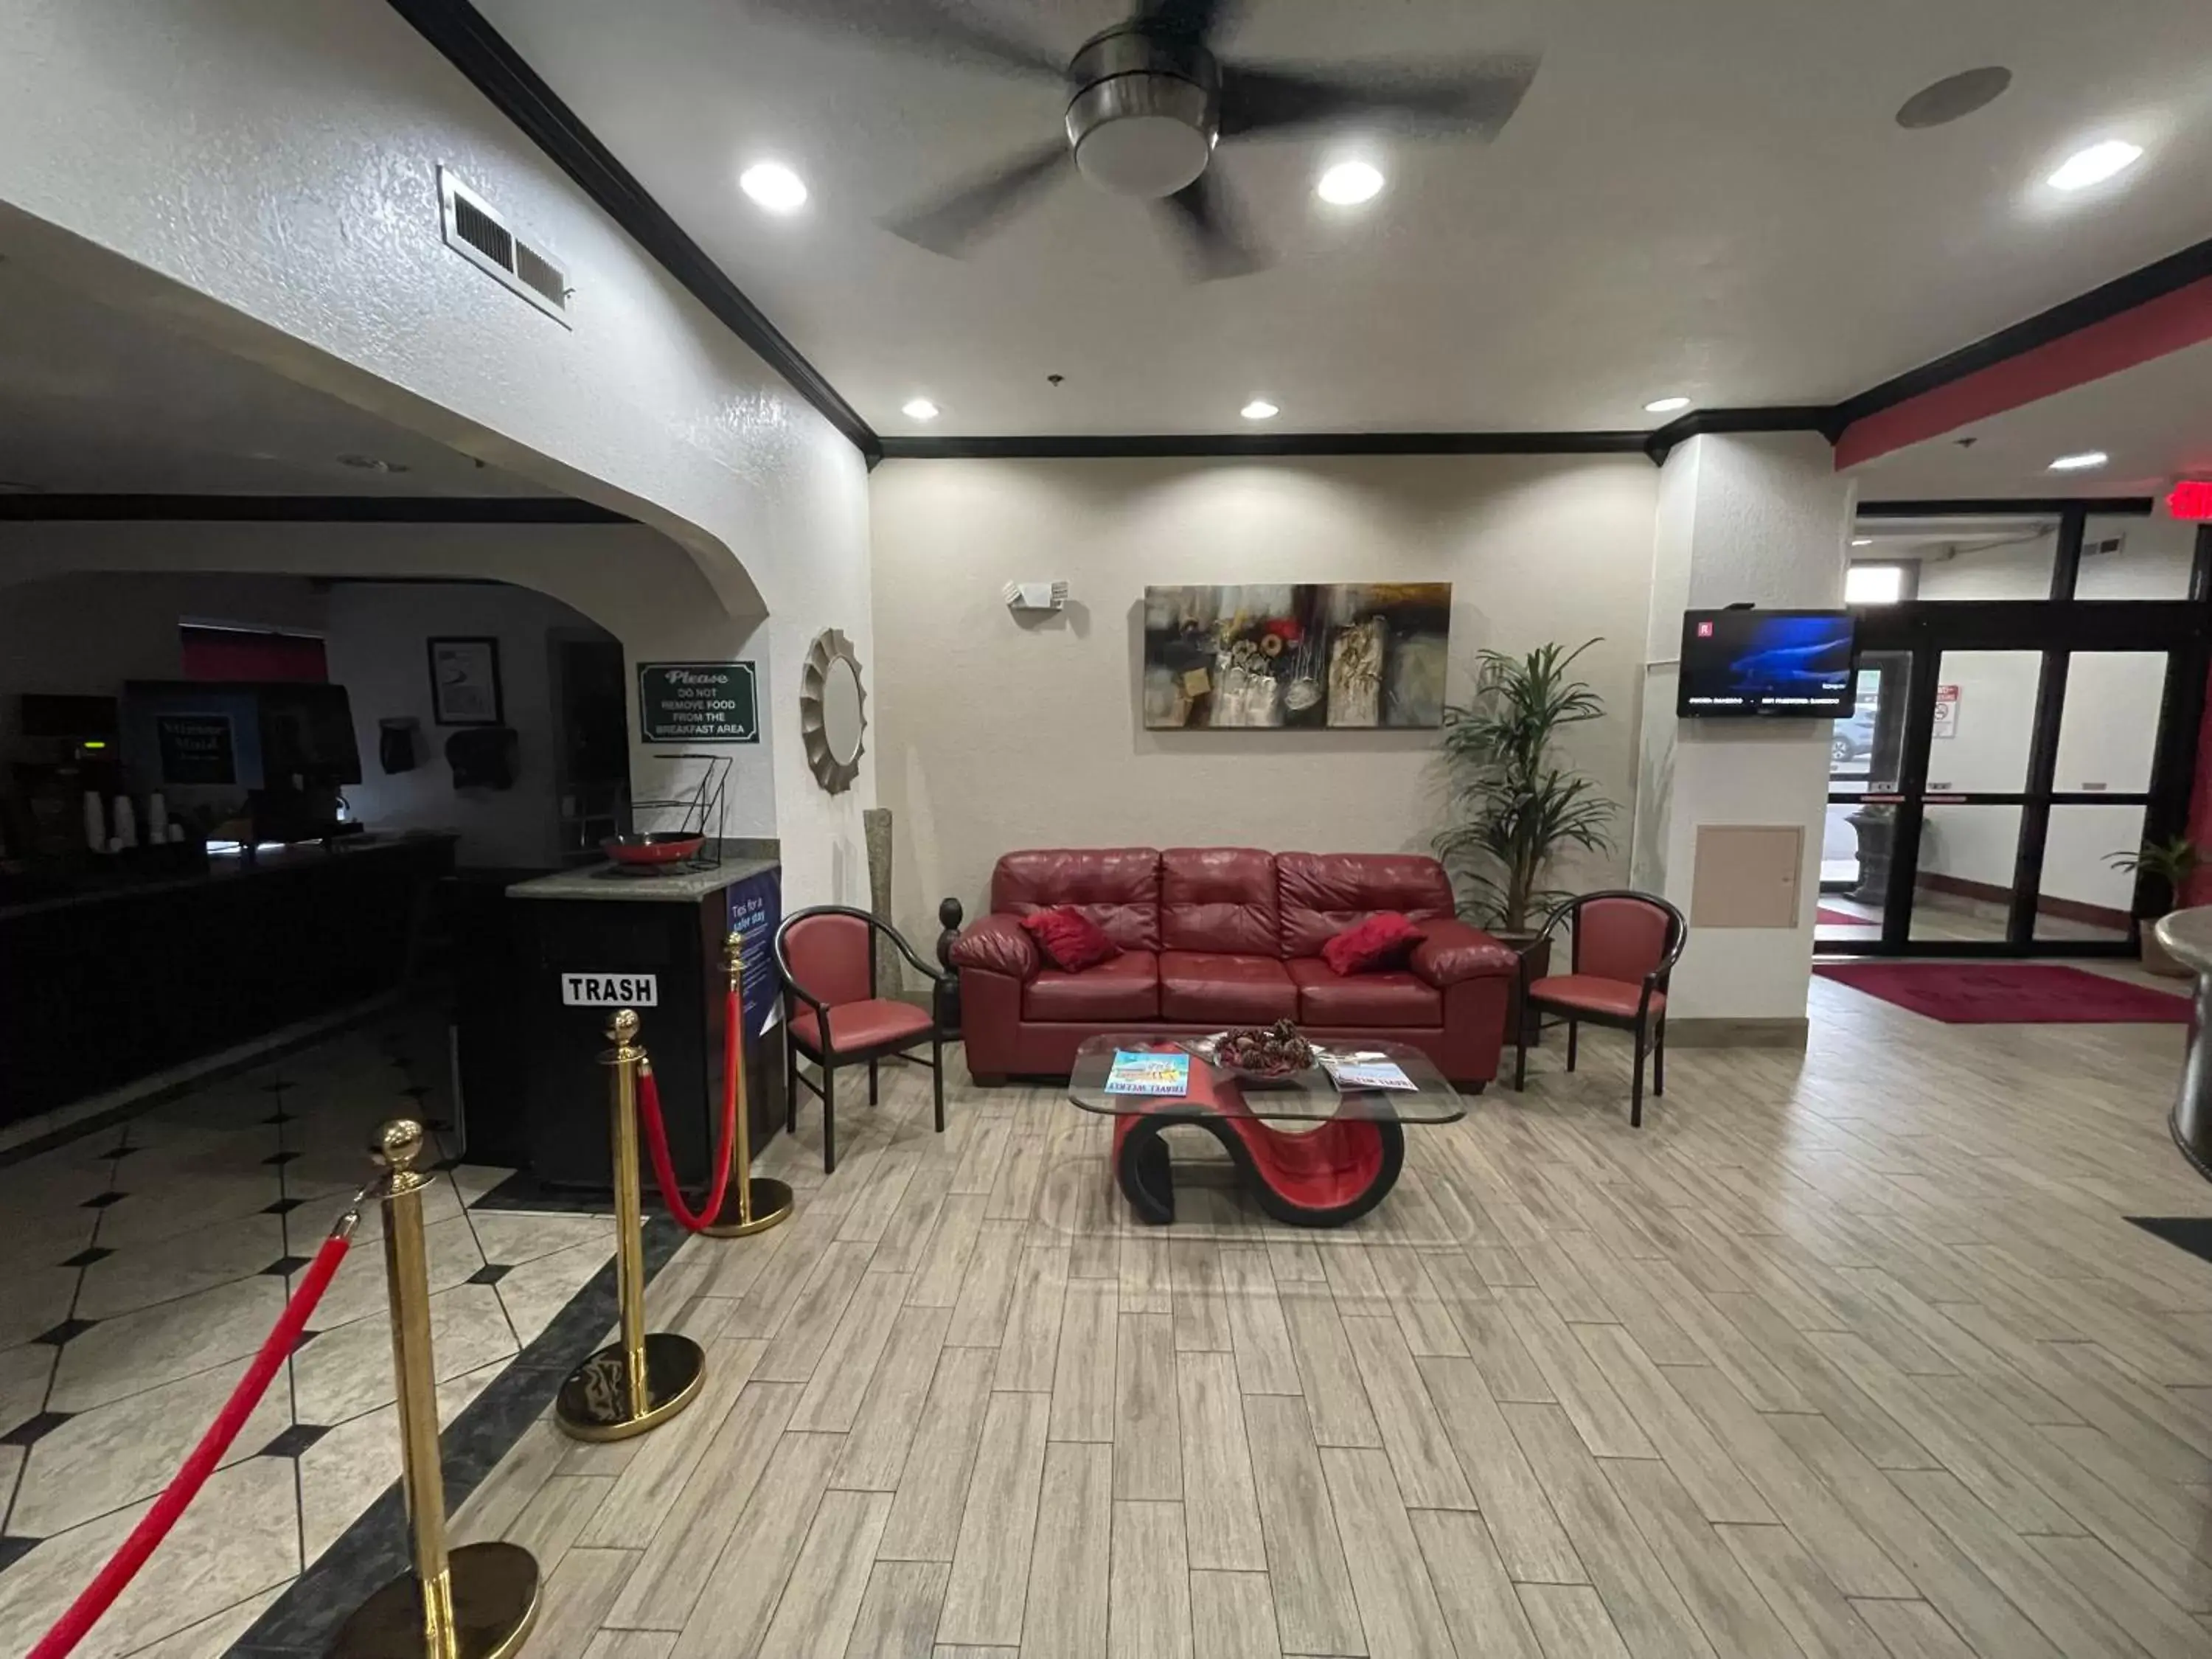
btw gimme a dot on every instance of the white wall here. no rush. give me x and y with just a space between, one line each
377 651
267 173
1001 733
1763 518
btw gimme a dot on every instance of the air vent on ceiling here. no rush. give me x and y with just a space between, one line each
2103 544
475 230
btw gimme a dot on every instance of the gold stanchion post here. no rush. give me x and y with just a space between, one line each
640 1380
763 1200
477 1602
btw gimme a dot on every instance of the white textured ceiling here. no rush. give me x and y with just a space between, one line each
95 400
1707 197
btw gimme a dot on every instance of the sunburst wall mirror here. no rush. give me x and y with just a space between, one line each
832 711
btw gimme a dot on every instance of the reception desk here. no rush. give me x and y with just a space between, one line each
110 979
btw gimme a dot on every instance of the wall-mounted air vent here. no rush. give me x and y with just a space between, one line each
2102 545
475 230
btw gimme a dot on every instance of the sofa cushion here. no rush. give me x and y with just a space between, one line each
1126 986
1224 990
1069 940
1328 999
1117 887
1321 893
1219 898
1599 996
1375 945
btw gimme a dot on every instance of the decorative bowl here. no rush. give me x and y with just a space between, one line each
1260 1054
653 847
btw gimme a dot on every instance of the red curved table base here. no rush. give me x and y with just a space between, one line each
1323 1177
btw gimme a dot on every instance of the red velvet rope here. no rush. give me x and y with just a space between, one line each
122 1567
656 1132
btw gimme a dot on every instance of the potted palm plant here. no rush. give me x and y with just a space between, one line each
1516 804
2171 864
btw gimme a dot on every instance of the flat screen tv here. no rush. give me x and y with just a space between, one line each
1783 664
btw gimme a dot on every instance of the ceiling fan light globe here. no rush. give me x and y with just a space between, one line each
1145 135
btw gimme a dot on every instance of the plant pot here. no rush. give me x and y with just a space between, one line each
1875 827
2156 958
1538 954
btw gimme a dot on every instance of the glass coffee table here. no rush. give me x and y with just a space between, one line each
1313 1155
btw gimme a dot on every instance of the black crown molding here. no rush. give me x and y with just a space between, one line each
462 34
308 509
1997 507
473 46
1141 445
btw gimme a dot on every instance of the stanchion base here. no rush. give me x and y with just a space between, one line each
594 1403
771 1203
495 1588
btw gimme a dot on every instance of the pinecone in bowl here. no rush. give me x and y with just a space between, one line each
1263 1051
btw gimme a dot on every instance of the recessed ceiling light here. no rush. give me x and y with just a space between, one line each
2096 164
1260 410
775 186
372 464
1665 405
2080 463
1861 541
1348 183
918 408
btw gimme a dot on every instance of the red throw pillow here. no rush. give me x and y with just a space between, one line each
1370 947
1070 940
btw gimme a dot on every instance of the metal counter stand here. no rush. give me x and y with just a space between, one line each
2188 935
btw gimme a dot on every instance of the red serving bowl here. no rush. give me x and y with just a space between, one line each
653 847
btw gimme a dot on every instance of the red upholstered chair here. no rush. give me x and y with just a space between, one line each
826 958
1625 945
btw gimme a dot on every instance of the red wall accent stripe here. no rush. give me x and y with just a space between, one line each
2170 323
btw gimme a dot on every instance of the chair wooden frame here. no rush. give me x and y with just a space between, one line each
1649 1032
829 1057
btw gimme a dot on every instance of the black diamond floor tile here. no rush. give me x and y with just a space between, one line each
104 1201
491 1273
294 1440
285 1266
2192 1233
33 1430
283 1207
280 1159
13 1550
279 1117
67 1332
306 1337
86 1258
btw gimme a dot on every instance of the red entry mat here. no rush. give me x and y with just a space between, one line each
1828 918
2010 993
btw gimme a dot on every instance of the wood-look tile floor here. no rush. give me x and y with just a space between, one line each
1845 1353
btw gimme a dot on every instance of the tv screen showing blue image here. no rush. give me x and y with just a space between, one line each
1781 663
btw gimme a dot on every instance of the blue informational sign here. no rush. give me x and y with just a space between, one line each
755 911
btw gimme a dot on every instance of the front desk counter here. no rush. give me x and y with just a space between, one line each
603 923
111 979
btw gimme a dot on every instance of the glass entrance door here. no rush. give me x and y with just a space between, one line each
1979 795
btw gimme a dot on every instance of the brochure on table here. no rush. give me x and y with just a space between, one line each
1137 1072
1354 1072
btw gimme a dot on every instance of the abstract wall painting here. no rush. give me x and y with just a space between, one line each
1312 655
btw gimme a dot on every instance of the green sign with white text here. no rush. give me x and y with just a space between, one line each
697 703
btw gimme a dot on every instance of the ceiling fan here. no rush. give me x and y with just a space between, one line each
1149 99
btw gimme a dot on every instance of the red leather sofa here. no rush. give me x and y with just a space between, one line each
1219 936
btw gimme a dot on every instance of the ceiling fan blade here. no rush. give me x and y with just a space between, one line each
1475 100
1192 20
1203 212
928 27
954 223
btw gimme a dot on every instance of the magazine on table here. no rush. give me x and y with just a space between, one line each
1141 1072
1367 1072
